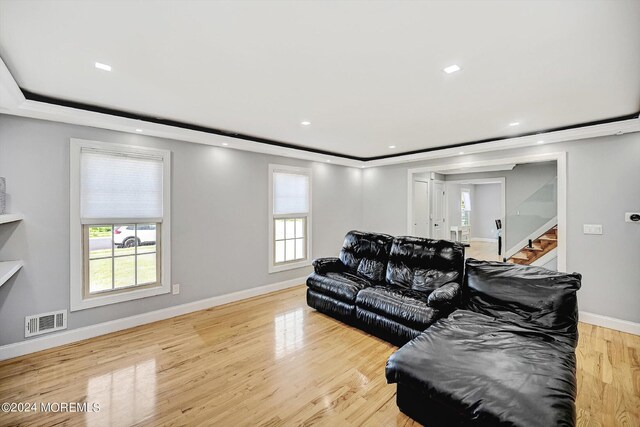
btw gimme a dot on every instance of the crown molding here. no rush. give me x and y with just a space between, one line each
13 102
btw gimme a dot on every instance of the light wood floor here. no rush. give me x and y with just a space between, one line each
486 251
269 361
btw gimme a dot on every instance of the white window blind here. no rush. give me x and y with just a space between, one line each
290 193
120 186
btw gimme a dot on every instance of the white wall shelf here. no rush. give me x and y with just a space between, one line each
8 269
11 218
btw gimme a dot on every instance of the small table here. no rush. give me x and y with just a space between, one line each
460 233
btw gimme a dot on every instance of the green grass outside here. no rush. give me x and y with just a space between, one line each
100 270
99 232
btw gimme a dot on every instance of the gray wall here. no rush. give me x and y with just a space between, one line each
521 182
220 228
219 223
486 207
603 176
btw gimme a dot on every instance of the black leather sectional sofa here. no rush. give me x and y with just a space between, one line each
494 349
394 288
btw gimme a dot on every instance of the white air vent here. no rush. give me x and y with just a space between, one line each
44 323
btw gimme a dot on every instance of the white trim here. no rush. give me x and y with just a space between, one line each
562 211
11 97
70 336
77 302
537 233
546 258
609 322
559 157
483 239
14 103
272 268
445 208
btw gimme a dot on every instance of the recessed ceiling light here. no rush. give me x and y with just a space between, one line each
328 161
392 146
514 123
461 153
225 143
540 142
305 123
101 66
138 130
451 69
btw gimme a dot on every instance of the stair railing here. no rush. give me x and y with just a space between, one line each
532 217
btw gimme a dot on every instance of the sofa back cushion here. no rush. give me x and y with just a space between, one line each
366 254
424 264
523 294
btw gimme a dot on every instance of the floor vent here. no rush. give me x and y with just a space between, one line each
44 323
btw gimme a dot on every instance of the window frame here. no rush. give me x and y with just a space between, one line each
294 264
86 261
78 300
465 190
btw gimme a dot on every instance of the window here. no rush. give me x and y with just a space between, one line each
120 228
465 207
289 217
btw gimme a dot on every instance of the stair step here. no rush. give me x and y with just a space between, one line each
520 256
547 238
533 249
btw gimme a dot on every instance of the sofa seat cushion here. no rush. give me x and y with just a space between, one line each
490 372
343 286
405 306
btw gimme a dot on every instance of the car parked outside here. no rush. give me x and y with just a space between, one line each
125 235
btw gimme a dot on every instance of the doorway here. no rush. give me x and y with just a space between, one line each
440 172
439 211
420 208
476 209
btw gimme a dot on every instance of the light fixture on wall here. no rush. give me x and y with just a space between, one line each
392 146
541 142
514 124
138 130
225 144
305 123
101 66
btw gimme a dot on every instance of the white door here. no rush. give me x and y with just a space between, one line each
420 209
438 212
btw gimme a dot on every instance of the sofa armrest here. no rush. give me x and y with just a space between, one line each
327 265
445 296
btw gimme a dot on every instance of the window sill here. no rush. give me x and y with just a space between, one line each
289 266
98 301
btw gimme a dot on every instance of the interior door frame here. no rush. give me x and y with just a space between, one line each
425 181
561 164
445 225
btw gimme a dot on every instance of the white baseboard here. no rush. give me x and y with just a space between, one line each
66 337
483 239
610 322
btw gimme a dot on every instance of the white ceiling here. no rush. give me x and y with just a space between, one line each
366 74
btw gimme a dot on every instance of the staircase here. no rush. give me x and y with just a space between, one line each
537 248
